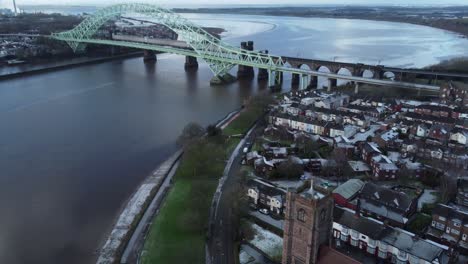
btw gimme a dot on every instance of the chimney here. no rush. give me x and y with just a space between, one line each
14 7
357 212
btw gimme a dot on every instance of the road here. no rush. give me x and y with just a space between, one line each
221 242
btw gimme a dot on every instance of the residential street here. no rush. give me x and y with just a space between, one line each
221 240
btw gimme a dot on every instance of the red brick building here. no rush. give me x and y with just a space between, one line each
347 192
307 226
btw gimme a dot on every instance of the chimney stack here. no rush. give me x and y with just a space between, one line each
14 7
357 212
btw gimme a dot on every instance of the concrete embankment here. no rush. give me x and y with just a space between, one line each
133 211
66 65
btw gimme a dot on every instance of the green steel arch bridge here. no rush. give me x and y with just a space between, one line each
220 56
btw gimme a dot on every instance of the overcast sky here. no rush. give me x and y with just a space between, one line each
241 2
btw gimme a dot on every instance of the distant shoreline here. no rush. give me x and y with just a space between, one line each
411 15
65 65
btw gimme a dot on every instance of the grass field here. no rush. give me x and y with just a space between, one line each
243 122
177 235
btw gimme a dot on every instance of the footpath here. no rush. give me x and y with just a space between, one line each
133 212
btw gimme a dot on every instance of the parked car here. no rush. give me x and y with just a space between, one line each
264 211
247 147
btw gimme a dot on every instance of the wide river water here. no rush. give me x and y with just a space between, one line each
75 144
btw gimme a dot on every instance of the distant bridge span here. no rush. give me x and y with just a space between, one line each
357 69
220 56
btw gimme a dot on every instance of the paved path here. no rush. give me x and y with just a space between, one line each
135 207
136 243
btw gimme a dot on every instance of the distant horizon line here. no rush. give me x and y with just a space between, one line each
259 5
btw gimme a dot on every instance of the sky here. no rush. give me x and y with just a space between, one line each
240 2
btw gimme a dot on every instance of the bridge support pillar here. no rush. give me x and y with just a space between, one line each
331 84
314 82
149 56
223 79
304 82
262 74
275 79
379 72
295 79
246 71
356 87
191 62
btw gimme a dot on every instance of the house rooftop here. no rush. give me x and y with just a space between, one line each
359 166
396 237
413 245
266 187
450 213
329 255
349 189
383 197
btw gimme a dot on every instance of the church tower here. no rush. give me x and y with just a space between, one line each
308 225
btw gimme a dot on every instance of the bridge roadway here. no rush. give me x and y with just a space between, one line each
155 41
147 45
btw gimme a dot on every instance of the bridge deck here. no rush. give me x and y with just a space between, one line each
191 52
161 42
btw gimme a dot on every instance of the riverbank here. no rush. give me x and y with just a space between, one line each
450 18
178 234
133 211
66 65
458 65
128 234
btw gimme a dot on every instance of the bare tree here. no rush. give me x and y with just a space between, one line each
288 169
341 160
191 132
448 187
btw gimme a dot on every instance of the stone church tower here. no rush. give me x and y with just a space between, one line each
308 224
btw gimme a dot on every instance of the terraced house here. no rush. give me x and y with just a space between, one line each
450 226
385 243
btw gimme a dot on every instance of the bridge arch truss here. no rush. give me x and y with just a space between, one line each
220 56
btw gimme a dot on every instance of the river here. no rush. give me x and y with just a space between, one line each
75 144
